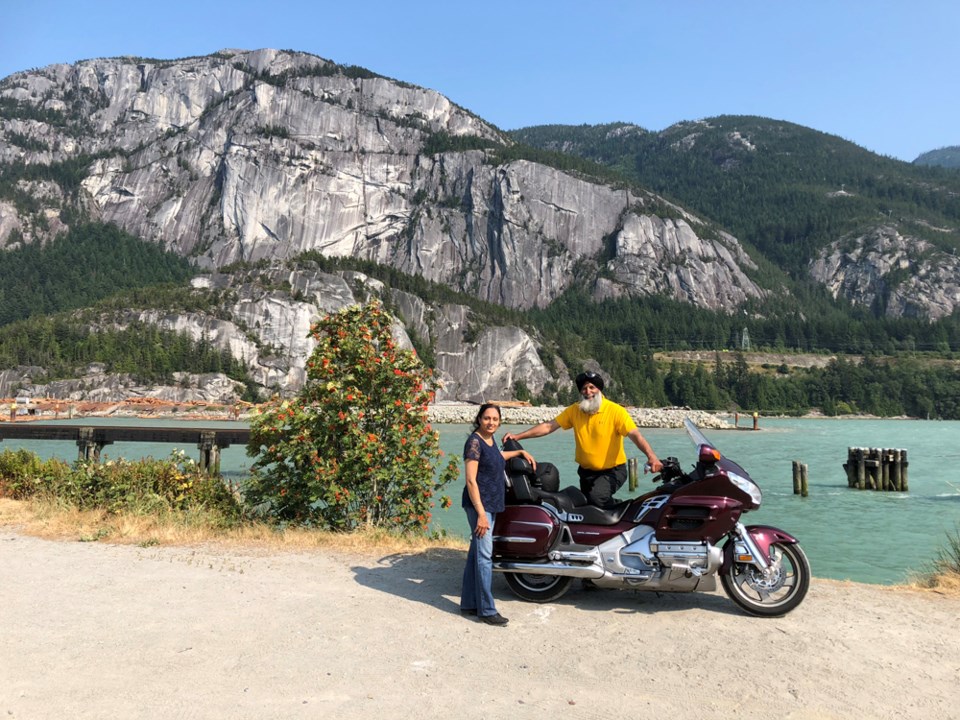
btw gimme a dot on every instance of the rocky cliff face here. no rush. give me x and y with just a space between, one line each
96 385
250 156
266 154
903 276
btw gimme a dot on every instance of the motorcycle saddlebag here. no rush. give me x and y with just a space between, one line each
524 531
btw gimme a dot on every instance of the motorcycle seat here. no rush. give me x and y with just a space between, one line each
566 499
574 502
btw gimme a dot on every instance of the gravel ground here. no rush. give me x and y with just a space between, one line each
90 630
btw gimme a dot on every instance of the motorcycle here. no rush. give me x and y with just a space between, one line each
678 537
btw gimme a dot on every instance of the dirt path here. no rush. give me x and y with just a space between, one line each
103 631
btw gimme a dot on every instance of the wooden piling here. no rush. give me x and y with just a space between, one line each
209 453
904 486
876 469
896 474
800 478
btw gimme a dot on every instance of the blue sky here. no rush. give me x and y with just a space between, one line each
883 74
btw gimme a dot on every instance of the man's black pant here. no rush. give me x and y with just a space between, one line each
600 485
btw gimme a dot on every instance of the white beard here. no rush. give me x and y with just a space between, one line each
591 405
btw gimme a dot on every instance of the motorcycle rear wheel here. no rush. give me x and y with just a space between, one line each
773 595
538 588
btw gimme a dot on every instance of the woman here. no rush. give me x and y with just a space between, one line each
482 499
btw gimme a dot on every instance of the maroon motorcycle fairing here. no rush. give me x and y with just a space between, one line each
698 517
597 534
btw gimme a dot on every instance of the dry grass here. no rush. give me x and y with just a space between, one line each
944 583
944 577
49 520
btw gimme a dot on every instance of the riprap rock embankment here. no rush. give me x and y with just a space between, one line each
668 417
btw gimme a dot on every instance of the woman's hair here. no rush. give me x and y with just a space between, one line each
482 410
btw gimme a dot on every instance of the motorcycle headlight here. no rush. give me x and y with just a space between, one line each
750 488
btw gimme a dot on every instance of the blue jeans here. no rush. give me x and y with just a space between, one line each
477 592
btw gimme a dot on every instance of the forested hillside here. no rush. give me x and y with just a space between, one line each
621 335
785 189
907 371
54 298
948 157
90 262
62 343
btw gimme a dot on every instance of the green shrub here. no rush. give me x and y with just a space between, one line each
354 448
23 474
142 486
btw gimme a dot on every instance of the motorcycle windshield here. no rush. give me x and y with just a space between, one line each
698 438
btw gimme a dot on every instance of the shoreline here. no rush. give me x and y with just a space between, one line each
459 413
452 413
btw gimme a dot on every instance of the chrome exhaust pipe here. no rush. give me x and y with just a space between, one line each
591 572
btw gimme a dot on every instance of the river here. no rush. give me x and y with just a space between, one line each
867 536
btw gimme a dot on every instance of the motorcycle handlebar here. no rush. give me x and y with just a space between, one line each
669 471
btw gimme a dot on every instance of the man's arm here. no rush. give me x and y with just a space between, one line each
643 446
544 428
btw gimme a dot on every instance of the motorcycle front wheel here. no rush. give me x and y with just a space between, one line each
776 592
538 588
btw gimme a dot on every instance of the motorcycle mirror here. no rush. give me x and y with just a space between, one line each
707 454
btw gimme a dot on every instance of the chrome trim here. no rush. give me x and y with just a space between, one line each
758 558
579 571
651 503
576 556
507 538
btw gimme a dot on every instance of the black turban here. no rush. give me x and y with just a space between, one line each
589 377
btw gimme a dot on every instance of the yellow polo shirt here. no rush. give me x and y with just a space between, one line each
600 436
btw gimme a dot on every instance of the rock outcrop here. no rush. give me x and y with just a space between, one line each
96 385
899 275
268 327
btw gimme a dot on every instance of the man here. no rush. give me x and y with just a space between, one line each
599 426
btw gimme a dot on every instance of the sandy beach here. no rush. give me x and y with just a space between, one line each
91 630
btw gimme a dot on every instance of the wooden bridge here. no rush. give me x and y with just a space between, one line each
90 440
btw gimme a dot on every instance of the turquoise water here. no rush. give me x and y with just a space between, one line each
863 535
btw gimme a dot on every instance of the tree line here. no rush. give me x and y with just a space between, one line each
90 262
62 346
876 386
